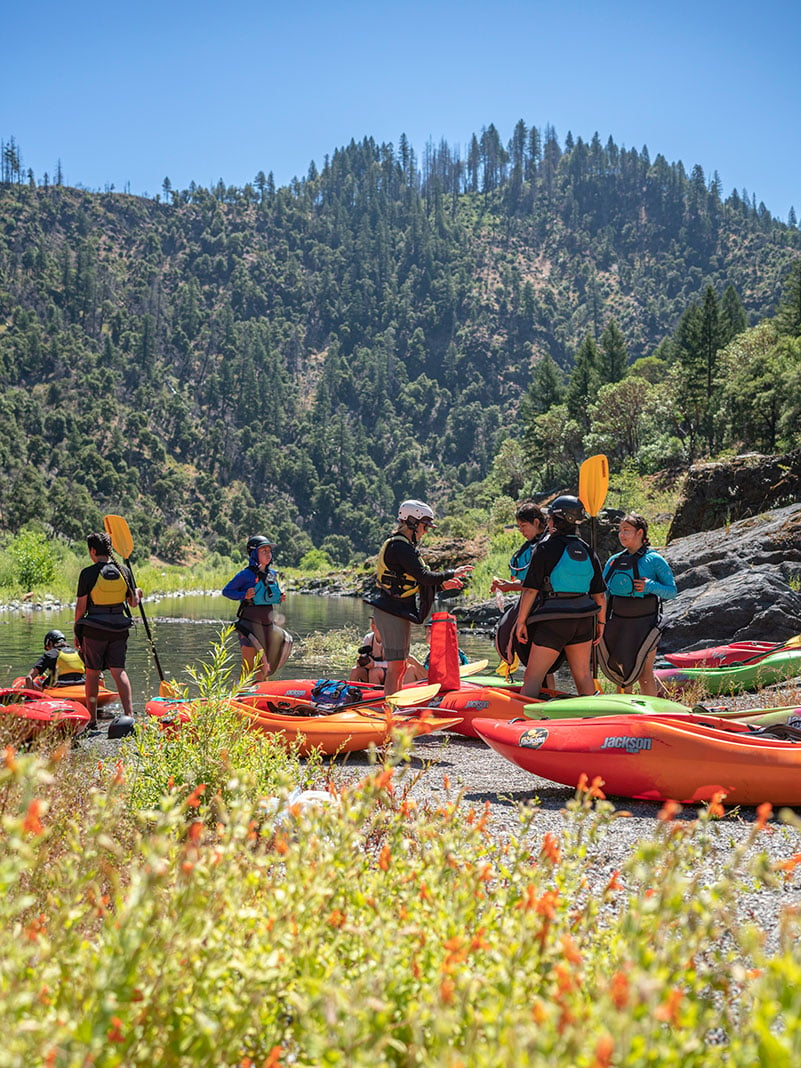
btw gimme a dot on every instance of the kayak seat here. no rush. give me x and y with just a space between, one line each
783 731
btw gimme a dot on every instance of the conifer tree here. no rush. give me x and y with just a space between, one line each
788 318
614 357
584 381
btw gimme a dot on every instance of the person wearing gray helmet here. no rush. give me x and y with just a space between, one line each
562 606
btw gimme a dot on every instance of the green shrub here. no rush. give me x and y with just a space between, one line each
31 551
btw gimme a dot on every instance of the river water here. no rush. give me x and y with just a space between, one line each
184 629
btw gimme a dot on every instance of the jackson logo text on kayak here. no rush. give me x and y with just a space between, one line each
625 741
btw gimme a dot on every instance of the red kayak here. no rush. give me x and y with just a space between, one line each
722 655
25 714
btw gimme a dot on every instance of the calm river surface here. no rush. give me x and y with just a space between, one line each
184 628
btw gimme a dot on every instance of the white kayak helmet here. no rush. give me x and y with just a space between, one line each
414 512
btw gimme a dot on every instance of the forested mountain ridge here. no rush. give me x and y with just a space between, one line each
297 358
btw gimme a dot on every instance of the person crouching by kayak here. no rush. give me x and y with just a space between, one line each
106 593
59 665
406 587
562 606
256 588
637 581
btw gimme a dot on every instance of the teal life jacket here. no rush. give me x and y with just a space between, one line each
519 561
267 591
574 571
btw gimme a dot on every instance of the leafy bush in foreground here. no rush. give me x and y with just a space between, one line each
368 931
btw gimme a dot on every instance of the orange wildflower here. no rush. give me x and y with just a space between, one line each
764 812
595 788
114 1033
195 832
187 866
384 780
273 1058
447 990
604 1048
788 865
336 918
550 848
446 782
193 801
619 990
570 950
529 899
546 905
668 1011
281 844
10 757
614 882
384 858
36 927
669 811
425 894
32 824
538 1012
716 809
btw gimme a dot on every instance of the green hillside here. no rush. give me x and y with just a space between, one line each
215 361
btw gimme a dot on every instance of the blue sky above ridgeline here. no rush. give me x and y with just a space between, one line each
126 95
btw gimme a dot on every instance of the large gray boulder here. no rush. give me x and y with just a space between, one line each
739 582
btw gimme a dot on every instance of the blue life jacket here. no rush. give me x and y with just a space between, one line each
268 590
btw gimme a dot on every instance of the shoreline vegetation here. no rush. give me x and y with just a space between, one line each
206 896
40 572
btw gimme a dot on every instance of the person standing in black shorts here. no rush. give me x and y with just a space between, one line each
562 606
105 595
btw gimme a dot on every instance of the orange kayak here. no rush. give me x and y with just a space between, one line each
71 692
656 758
345 731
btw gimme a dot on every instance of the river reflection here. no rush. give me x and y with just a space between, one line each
185 627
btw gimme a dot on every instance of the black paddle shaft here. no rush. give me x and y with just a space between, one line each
147 625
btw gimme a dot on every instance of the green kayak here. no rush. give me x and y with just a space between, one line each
734 678
613 704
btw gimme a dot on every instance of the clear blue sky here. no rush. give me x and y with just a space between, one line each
128 94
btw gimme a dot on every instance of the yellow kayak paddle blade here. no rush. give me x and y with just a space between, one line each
120 533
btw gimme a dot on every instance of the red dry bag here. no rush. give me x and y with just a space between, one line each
443 660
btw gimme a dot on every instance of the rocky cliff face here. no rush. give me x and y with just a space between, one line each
715 495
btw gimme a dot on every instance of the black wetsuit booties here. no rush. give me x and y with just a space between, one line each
406 587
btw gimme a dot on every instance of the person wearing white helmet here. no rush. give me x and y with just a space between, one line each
406 587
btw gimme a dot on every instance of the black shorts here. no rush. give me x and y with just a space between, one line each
103 649
558 634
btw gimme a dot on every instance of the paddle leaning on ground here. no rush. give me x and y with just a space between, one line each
122 542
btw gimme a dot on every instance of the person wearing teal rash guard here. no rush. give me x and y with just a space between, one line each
256 588
532 524
637 580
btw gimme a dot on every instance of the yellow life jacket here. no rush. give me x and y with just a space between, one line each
395 583
110 587
68 663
